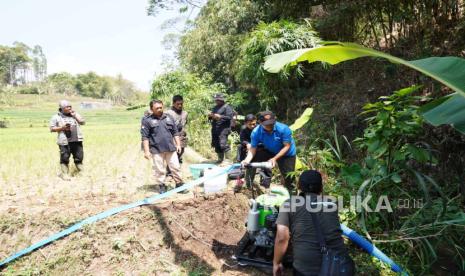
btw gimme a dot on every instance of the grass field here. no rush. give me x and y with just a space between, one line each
35 202
29 186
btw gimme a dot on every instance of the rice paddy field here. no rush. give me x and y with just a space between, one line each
29 154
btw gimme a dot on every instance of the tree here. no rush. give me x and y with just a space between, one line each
39 63
212 46
92 85
20 64
14 63
62 83
121 90
264 40
154 6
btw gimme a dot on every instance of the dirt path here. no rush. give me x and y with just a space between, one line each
190 234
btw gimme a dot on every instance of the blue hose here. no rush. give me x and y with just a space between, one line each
370 248
111 212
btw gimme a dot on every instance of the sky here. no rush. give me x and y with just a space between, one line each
105 36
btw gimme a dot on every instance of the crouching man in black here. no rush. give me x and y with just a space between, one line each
245 136
312 225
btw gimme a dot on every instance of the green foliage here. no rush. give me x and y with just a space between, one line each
213 45
336 145
267 39
322 160
123 91
446 110
117 89
450 71
92 85
416 25
390 138
154 6
447 70
197 92
302 120
19 62
6 95
62 83
264 40
13 59
39 63
395 160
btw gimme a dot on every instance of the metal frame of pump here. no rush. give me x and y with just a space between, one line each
265 179
256 248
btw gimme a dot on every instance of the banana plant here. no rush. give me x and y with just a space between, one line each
299 123
449 71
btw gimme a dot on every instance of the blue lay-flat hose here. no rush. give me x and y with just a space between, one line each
370 248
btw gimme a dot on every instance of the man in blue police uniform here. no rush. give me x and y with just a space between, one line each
278 146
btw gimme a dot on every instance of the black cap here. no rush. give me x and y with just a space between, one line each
266 118
218 97
310 182
250 117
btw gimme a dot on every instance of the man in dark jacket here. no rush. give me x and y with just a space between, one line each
221 118
295 224
160 139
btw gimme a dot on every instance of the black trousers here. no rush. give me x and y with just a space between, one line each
180 155
73 148
241 152
286 164
220 140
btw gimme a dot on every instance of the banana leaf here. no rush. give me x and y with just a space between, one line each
449 109
449 71
302 120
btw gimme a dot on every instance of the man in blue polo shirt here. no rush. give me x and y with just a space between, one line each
272 141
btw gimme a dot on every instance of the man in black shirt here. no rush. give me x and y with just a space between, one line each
221 118
244 136
295 223
160 139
